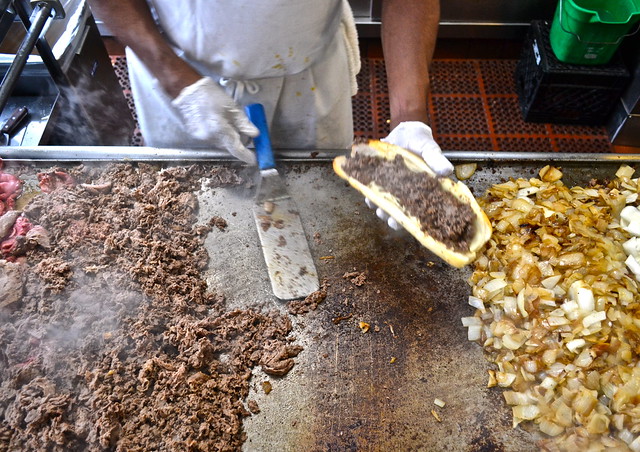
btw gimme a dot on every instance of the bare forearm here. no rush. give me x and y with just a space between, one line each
132 24
409 32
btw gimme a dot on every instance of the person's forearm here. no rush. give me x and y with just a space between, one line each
132 24
409 32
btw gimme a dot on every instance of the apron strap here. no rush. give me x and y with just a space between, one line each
236 88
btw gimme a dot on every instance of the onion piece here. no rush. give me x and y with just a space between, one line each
632 247
477 303
550 174
628 215
471 321
563 413
495 285
633 265
517 398
557 321
514 341
549 383
575 344
551 281
550 428
576 259
625 171
598 424
635 444
505 379
510 306
633 228
585 299
474 333
594 318
465 170
549 357
626 436
584 359
526 412
521 308
528 191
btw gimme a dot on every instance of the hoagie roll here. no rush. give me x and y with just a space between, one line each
441 214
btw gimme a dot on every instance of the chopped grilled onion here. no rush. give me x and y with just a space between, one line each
557 298
474 333
550 428
465 170
526 412
625 172
550 174
594 318
575 344
476 303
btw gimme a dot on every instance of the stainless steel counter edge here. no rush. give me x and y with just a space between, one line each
142 153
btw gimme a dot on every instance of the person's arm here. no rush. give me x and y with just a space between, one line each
132 24
409 32
208 113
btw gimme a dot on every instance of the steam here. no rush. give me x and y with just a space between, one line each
78 325
93 111
91 317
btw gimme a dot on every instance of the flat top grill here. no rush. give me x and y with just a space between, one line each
349 389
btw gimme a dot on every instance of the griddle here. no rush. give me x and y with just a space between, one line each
373 390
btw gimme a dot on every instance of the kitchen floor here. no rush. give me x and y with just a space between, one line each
473 105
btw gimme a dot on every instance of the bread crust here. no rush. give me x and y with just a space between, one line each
391 205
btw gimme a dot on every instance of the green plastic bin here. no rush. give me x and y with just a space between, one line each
590 31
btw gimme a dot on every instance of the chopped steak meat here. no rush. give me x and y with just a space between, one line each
110 338
311 302
219 223
441 214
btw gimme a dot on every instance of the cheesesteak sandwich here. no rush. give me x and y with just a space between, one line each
441 214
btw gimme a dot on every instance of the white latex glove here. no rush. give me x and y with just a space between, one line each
416 137
211 115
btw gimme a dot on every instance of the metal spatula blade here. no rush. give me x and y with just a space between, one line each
284 244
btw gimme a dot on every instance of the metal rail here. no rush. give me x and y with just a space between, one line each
40 16
145 153
44 49
7 14
35 23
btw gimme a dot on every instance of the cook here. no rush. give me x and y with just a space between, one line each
194 64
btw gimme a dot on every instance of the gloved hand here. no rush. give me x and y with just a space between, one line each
211 115
416 137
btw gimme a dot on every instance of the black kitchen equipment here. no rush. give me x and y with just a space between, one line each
551 91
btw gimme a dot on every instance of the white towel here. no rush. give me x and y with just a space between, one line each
350 34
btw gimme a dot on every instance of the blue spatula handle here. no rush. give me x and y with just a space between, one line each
262 142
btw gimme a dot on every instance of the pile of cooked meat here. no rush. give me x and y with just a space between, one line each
109 336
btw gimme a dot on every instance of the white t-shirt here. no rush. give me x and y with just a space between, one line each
296 57
250 39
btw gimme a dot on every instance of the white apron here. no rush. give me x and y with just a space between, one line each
296 57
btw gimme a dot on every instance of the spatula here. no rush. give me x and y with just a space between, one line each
284 244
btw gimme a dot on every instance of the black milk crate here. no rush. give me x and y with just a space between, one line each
551 91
